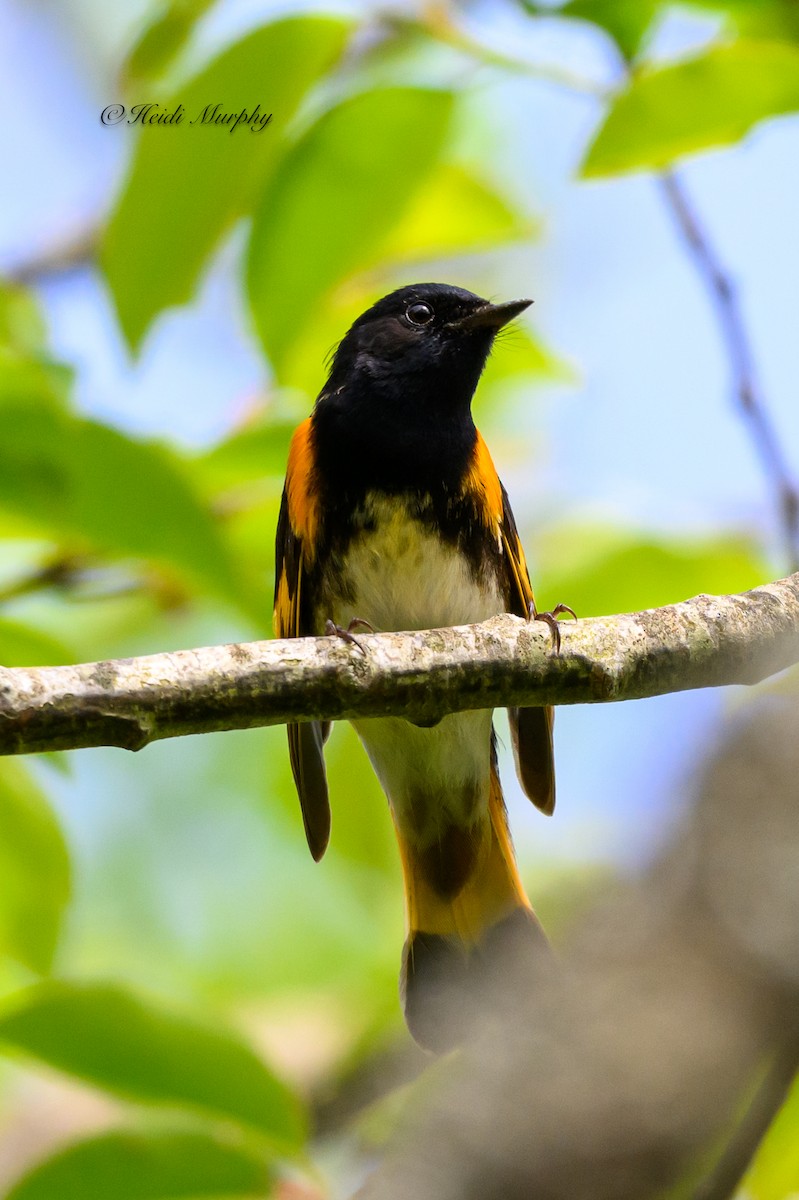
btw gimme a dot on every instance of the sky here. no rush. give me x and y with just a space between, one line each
646 433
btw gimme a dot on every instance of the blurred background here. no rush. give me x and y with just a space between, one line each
168 296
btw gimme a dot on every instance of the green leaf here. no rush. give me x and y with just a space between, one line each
518 353
189 182
22 326
132 497
34 871
145 1166
336 197
257 451
758 18
599 571
160 42
455 213
24 376
117 495
34 479
139 1050
706 101
626 21
775 1172
363 835
23 646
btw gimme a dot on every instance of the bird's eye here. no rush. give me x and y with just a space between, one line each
419 314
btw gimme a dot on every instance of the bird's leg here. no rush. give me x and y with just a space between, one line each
551 619
334 630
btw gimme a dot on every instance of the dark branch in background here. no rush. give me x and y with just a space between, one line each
66 254
80 578
709 641
614 1075
726 1177
739 352
59 573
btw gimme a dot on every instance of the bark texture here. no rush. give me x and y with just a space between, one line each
707 641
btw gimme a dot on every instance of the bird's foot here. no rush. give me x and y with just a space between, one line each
551 619
334 630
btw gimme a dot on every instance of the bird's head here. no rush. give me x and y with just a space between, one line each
428 337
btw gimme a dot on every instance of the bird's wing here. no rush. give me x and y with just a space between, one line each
297 528
530 728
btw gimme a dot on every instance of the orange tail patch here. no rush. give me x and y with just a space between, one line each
463 897
468 881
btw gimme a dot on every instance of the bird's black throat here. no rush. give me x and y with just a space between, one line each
404 445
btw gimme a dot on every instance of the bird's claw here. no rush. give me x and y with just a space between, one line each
334 630
551 619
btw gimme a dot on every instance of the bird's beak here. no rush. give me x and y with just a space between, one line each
491 316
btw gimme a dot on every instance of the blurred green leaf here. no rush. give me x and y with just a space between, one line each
517 352
23 646
34 479
599 571
138 498
705 101
364 832
159 42
775 1172
338 193
135 1048
34 871
627 21
24 376
22 326
257 450
188 183
145 1166
454 212
757 18
87 481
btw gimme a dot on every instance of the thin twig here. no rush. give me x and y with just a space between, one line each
60 573
739 351
436 22
66 254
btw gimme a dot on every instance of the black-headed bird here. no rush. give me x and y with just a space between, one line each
393 517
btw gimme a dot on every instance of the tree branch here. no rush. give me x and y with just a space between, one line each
70 251
708 641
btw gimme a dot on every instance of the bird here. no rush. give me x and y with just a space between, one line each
393 518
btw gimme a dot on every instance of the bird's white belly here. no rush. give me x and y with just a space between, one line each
400 575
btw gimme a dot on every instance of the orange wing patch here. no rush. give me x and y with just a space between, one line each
303 505
483 482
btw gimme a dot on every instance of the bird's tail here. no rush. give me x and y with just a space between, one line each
465 904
